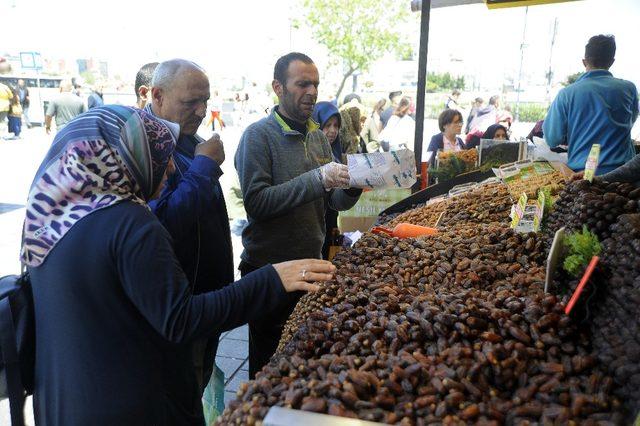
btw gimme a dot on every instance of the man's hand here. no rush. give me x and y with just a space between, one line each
334 175
47 129
300 274
212 148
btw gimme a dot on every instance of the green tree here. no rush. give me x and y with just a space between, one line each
439 82
88 77
572 78
357 32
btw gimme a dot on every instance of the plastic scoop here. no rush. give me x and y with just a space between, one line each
405 230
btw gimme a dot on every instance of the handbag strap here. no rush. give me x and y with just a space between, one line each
11 363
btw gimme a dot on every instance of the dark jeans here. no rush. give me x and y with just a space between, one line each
15 125
265 332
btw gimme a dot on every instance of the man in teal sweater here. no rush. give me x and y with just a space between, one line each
288 179
597 108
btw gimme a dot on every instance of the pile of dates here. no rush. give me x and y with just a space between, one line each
485 204
451 329
596 205
615 325
483 256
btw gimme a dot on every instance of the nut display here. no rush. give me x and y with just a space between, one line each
485 204
456 328
597 205
616 327
554 181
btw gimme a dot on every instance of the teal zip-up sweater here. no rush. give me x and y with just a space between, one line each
597 108
282 192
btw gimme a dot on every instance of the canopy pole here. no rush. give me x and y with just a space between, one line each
425 16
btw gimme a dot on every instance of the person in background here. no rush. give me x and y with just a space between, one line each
475 107
96 98
596 109
351 127
373 126
495 132
536 131
6 95
399 132
108 324
450 123
505 119
452 101
142 84
25 101
329 118
350 97
216 111
191 206
64 108
394 99
486 116
15 116
288 177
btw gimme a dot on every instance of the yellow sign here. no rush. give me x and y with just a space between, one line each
498 4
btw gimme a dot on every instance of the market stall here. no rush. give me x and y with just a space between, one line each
457 327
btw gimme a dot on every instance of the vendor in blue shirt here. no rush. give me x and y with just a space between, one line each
597 108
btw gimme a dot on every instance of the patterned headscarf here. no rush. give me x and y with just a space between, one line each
105 156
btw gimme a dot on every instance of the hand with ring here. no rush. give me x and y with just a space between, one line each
300 274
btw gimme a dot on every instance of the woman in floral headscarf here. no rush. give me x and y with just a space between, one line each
110 298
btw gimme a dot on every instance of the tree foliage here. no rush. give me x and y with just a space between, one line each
571 78
357 32
437 82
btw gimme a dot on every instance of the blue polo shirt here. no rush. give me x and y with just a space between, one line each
597 108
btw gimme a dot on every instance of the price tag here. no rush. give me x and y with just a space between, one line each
554 258
519 210
592 162
583 282
537 218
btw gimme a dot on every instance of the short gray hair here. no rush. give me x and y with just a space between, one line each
167 71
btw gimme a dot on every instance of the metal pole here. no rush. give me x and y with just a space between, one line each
522 46
550 72
422 85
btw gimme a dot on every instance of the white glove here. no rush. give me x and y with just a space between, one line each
334 175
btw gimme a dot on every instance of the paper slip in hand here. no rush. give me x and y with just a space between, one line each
395 169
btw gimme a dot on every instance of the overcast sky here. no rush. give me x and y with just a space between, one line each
244 37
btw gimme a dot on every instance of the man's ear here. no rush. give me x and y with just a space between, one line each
277 88
584 63
156 96
144 92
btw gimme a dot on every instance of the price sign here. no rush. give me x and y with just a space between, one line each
537 219
592 162
519 210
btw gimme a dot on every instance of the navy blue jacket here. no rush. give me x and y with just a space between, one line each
193 210
111 305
